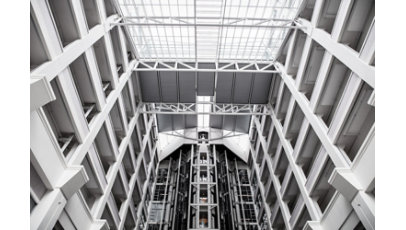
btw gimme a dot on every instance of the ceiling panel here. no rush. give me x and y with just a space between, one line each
234 123
170 122
229 123
224 87
216 121
191 121
237 88
242 124
169 88
205 80
260 91
242 88
149 86
178 121
187 90
237 123
164 122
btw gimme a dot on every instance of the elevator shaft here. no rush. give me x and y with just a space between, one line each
203 190
202 186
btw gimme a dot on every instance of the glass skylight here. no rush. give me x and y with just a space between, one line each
208 30
203 120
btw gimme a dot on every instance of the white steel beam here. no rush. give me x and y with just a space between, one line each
208 25
191 109
230 67
207 17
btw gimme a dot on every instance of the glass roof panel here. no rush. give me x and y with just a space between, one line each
208 30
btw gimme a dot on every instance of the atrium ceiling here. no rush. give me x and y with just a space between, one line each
222 50
208 30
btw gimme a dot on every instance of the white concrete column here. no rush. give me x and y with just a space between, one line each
44 149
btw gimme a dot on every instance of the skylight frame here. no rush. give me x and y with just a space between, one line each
208 30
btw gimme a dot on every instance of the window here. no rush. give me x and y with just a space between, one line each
159 194
328 15
110 9
203 106
333 89
91 13
118 191
203 176
104 149
358 123
84 86
249 213
358 23
65 21
203 158
37 188
129 163
162 175
129 220
103 65
108 216
118 52
38 52
203 219
243 174
60 121
246 195
92 189
128 103
323 191
312 68
203 196
294 125
118 123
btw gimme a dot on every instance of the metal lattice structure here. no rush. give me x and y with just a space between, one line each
214 67
191 109
212 30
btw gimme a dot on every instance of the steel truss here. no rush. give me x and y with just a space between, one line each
191 109
228 135
178 66
228 22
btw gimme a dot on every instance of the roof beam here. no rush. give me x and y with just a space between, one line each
207 17
191 109
208 25
145 66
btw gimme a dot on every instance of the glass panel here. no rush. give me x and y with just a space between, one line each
203 220
203 120
209 30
